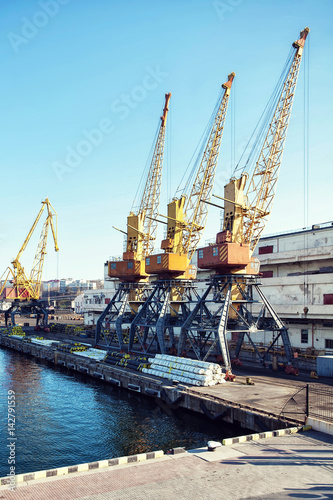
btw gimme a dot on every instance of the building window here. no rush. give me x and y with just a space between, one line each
159 259
267 274
304 336
113 265
215 251
148 261
200 254
328 299
129 265
328 343
267 249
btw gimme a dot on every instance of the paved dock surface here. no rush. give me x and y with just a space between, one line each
286 467
269 393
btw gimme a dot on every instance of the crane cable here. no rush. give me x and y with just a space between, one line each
198 153
306 122
263 123
141 185
233 129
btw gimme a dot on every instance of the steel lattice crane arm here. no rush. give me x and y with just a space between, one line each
37 268
141 226
196 208
262 185
28 287
151 195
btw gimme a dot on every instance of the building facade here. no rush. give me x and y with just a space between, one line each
297 279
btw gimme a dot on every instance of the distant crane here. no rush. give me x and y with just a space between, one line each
140 239
26 287
186 221
245 216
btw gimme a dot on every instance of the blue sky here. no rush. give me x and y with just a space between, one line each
91 76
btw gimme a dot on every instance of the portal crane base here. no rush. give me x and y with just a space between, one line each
154 328
231 304
22 308
111 326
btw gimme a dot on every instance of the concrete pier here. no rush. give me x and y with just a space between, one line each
278 468
255 408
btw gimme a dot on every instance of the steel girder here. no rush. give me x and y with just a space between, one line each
119 312
165 310
23 308
227 307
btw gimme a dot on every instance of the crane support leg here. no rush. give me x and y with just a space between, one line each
283 332
160 325
221 331
119 322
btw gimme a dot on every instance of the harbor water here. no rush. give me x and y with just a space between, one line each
64 418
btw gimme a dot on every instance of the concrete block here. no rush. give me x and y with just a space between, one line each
40 474
62 471
103 463
19 478
82 467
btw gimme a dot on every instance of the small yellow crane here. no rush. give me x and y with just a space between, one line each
26 287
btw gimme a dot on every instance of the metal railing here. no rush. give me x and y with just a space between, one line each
320 402
312 400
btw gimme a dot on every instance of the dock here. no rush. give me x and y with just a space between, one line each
280 467
259 406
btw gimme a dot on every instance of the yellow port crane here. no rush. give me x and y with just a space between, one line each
247 205
246 211
26 287
187 217
141 227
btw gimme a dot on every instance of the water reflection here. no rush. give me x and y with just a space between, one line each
64 418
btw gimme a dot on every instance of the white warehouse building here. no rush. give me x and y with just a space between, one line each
92 303
297 278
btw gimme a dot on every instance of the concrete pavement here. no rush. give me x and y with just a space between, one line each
286 467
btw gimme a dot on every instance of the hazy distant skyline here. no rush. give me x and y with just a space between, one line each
83 87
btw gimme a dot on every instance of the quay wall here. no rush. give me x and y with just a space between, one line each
168 396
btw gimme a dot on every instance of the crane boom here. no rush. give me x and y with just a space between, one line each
151 197
261 188
37 268
196 209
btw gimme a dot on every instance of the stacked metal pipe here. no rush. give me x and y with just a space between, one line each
189 371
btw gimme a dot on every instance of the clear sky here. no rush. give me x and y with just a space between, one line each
82 89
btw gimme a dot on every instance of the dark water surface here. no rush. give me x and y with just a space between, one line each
64 418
